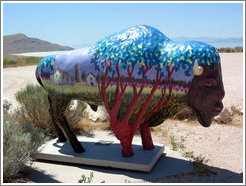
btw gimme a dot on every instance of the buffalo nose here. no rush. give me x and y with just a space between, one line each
218 107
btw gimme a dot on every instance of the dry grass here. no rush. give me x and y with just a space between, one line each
185 114
234 119
16 61
87 125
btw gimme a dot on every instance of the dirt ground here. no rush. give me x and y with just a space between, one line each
221 145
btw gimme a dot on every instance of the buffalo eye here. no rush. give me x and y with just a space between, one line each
210 83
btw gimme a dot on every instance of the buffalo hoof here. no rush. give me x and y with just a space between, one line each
62 139
78 148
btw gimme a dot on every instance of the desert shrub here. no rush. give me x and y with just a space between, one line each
74 115
7 62
33 60
239 49
13 61
34 104
20 141
35 107
228 49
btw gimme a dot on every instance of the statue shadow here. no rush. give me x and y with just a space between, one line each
165 165
102 150
168 168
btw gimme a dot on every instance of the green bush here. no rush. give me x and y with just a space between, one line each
33 60
239 49
20 141
227 49
7 62
35 107
85 179
13 61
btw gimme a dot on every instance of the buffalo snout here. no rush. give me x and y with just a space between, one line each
206 94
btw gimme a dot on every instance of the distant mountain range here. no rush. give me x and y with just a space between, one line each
209 39
20 43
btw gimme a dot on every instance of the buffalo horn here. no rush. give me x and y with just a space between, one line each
198 70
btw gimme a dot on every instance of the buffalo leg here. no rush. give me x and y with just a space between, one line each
146 137
60 135
58 109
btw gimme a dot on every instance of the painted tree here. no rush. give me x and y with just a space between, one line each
131 64
120 125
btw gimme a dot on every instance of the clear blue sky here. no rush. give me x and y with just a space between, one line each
75 23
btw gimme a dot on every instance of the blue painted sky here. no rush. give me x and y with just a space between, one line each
75 23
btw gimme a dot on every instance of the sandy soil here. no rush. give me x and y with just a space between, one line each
16 78
221 145
233 78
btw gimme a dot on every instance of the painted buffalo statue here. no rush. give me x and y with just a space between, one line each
140 76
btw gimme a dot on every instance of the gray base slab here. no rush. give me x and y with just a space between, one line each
102 153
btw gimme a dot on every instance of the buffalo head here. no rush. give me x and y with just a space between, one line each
206 93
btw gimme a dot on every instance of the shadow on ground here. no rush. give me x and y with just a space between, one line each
170 168
38 176
155 176
165 166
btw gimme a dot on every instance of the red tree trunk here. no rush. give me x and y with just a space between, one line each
124 133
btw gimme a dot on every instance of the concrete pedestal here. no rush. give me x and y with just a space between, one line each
104 153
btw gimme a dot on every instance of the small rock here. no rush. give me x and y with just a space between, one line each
224 116
8 105
237 110
99 115
73 105
240 110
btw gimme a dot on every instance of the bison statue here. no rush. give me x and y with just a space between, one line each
140 76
